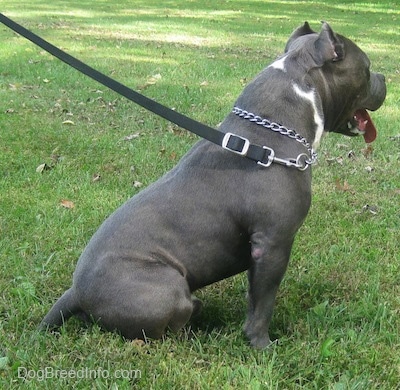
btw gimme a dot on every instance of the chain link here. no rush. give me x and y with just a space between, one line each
302 161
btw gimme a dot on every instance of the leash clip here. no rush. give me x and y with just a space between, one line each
270 158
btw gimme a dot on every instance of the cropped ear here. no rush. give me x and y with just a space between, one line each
303 30
328 46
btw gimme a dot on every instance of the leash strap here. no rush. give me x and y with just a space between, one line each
263 155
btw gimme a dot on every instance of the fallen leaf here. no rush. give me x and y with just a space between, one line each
131 137
67 204
154 79
55 158
151 81
43 167
138 342
14 87
351 154
96 177
371 208
368 150
137 184
68 122
343 187
204 83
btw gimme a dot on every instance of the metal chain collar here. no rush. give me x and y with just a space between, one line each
303 160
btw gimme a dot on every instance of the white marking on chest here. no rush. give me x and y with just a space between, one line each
279 64
318 119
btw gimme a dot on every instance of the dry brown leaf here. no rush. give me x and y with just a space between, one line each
138 343
345 187
368 150
67 204
151 81
55 158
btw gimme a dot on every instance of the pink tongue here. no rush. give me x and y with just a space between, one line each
365 124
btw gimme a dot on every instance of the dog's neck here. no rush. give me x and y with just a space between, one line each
310 97
277 128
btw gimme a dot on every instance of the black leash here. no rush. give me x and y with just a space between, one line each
262 155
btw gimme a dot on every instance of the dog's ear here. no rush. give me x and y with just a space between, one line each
305 29
328 46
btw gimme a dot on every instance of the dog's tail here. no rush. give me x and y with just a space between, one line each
64 308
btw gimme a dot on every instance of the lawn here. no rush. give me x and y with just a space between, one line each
72 151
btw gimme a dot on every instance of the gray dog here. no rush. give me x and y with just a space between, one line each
217 214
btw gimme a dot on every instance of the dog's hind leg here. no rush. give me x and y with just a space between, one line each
138 300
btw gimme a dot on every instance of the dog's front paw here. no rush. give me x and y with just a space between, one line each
197 306
258 339
260 342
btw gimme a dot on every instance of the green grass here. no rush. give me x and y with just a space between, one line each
337 314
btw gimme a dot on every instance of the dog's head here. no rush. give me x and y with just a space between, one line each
340 71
